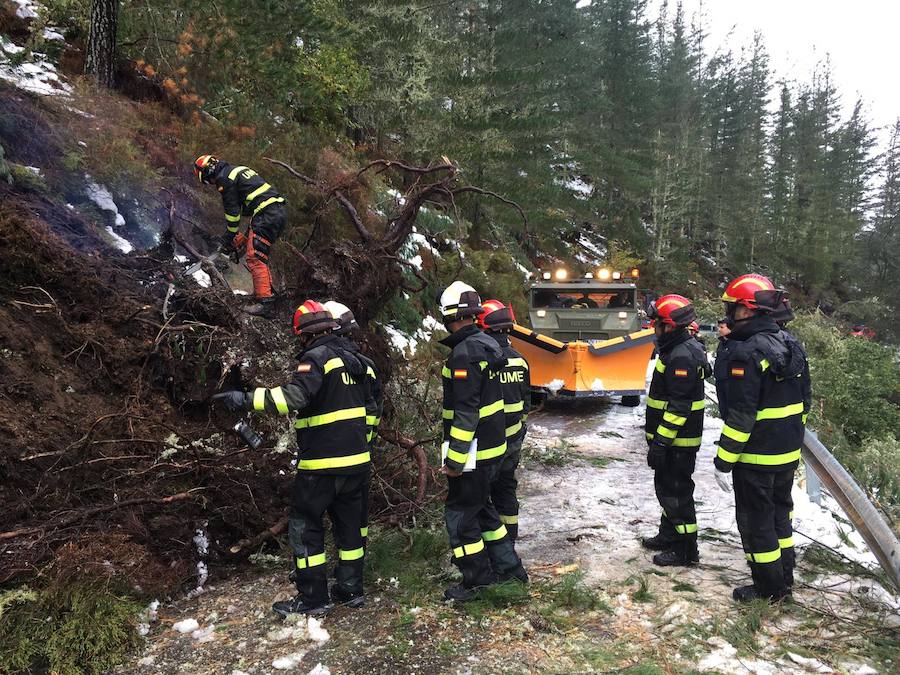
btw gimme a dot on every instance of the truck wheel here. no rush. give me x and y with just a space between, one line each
631 401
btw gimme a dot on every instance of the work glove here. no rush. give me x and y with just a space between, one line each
656 455
722 480
226 243
235 401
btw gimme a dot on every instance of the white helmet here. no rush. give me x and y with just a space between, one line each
458 301
342 315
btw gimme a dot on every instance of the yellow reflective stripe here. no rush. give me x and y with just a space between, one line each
517 362
233 219
490 453
770 460
727 456
779 413
445 372
664 431
698 405
352 554
370 436
656 403
232 229
235 171
458 457
482 364
514 407
764 365
334 462
735 435
447 414
259 399
672 418
331 364
488 410
787 542
686 528
371 420
270 200
509 520
687 442
660 366
468 549
280 402
804 418
257 192
494 535
514 429
461 434
790 515
329 418
311 561
765 556
364 531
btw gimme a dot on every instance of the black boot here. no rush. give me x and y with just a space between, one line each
750 593
519 574
265 308
674 558
285 608
341 596
657 543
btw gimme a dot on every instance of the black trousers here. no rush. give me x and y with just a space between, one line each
480 545
674 485
503 490
764 509
341 497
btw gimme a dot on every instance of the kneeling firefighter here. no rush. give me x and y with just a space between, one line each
329 387
674 428
769 396
475 443
497 320
244 192
374 395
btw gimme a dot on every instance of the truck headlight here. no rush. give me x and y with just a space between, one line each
623 315
603 274
542 313
561 274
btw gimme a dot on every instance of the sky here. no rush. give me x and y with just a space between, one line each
861 38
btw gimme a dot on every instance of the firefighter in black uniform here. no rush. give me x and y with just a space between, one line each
497 320
374 398
674 428
474 443
329 390
244 192
769 397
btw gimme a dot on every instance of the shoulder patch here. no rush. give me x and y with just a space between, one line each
460 374
681 372
304 368
737 371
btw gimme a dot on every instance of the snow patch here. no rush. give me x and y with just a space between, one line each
400 340
207 634
53 35
26 9
202 278
554 385
315 631
319 670
119 242
597 385
590 252
37 77
35 170
289 661
186 626
524 270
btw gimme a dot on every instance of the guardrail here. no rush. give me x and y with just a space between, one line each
867 520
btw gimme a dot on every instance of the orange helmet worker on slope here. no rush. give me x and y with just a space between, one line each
245 193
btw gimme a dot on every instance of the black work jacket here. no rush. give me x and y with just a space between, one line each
515 383
374 393
243 192
720 373
473 398
329 388
769 396
676 401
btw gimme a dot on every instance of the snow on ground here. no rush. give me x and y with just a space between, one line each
26 9
37 76
103 198
406 343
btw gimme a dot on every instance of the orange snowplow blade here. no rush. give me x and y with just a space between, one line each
616 367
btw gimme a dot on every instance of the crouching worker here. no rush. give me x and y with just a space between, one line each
329 389
474 443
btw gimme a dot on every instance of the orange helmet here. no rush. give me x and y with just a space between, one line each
495 316
675 310
312 318
753 291
204 166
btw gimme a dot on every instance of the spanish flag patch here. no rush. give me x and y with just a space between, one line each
460 374
737 372
680 372
304 368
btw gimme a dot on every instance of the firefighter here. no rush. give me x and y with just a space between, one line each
674 427
329 390
497 321
474 446
244 192
720 367
374 396
769 397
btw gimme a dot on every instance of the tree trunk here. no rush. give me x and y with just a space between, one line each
101 47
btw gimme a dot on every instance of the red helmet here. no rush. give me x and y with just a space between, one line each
204 166
694 328
753 291
496 316
675 310
312 318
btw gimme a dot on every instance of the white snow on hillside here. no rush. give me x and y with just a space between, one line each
25 9
37 76
589 251
408 344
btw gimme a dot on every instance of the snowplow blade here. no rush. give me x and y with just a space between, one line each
616 367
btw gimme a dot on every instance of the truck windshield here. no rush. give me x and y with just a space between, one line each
588 298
